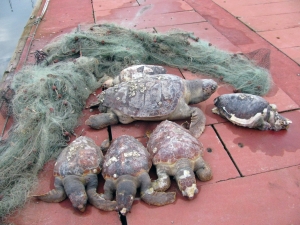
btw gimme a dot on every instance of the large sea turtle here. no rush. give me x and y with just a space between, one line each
175 152
76 167
154 98
250 111
125 168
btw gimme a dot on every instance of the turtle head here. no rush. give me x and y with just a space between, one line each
186 182
78 199
75 190
200 90
125 194
277 121
106 81
281 122
185 178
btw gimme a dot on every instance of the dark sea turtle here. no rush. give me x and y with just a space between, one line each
154 98
75 173
125 169
250 111
175 152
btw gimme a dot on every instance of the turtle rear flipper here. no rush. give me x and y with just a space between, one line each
152 197
57 194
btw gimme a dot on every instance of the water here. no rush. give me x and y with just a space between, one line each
14 15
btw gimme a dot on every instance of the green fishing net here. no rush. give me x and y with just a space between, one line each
49 97
117 48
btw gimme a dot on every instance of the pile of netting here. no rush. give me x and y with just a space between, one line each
49 97
46 106
117 48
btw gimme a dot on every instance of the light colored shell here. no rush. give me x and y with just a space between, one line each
81 157
126 156
170 142
150 96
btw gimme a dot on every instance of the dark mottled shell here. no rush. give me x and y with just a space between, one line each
126 155
150 96
170 142
81 157
243 106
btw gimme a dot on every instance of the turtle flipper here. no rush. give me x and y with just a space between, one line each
102 120
99 202
152 197
163 182
57 194
96 199
198 119
109 189
202 170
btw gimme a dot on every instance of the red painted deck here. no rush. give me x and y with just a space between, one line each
256 174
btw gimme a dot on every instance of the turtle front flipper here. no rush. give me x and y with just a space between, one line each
57 194
96 199
109 189
163 182
198 119
102 120
152 197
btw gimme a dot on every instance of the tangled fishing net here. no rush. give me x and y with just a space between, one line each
50 96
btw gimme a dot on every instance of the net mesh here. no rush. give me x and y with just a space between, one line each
47 99
116 48
46 105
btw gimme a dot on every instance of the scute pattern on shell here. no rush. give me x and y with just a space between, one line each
170 142
242 105
150 96
126 155
80 157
